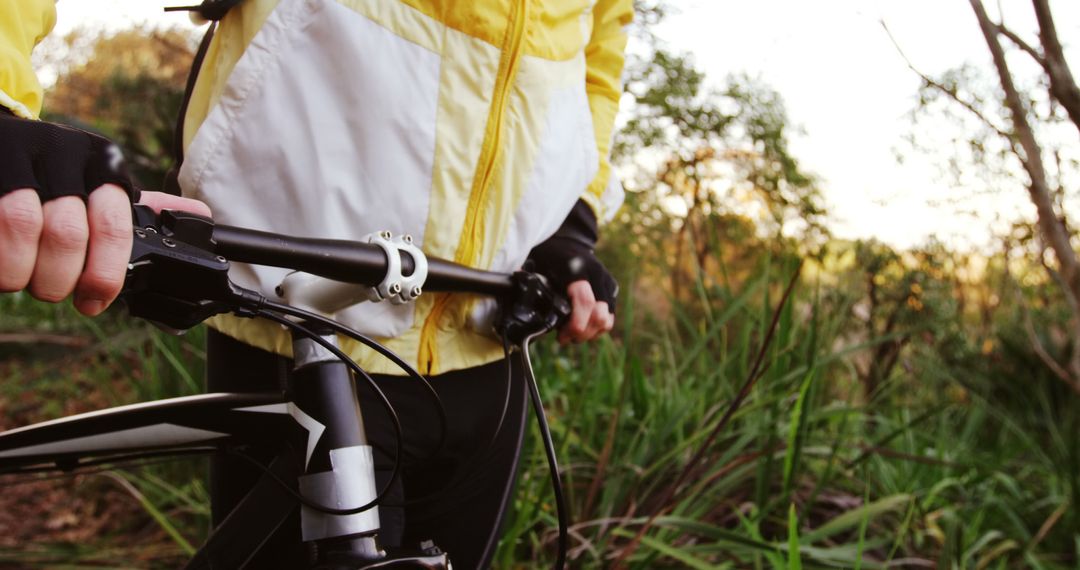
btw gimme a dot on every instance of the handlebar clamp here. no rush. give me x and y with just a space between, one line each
395 286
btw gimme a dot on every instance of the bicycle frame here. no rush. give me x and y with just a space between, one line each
173 424
317 425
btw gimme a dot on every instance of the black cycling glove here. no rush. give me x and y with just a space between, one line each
57 160
568 256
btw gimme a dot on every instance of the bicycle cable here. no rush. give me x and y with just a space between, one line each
506 394
549 449
374 345
549 445
270 315
460 477
93 466
300 498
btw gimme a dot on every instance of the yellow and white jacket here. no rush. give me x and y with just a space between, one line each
474 125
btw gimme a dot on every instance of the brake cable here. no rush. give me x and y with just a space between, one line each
374 345
534 396
386 402
460 476
549 450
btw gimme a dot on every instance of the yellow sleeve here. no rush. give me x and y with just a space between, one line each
23 23
604 60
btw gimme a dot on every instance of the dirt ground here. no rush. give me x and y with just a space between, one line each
89 520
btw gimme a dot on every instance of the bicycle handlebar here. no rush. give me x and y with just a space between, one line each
348 261
178 274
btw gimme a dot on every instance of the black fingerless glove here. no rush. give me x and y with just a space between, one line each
57 160
568 256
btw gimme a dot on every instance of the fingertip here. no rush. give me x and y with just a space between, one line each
159 201
90 307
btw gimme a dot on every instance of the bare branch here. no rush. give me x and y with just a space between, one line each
1062 85
44 338
1020 43
757 370
950 92
1029 327
1056 276
1040 350
1074 321
1050 226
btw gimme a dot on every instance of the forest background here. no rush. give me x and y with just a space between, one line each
774 397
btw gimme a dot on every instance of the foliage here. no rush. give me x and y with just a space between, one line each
704 168
1014 126
129 88
960 459
901 299
716 152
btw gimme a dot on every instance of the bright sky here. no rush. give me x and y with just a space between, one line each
846 85
841 77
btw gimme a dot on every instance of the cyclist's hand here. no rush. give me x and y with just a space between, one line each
571 266
589 318
67 246
65 213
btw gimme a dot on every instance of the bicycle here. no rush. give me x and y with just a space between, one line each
178 277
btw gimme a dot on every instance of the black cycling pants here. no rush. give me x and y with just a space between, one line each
464 519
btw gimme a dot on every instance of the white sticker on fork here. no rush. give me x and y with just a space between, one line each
350 484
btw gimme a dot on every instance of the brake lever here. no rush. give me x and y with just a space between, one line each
174 279
530 309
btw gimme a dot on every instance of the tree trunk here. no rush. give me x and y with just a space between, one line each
1062 85
1051 227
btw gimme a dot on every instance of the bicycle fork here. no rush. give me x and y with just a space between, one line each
339 469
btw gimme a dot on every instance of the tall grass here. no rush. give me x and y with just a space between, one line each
63 363
954 462
810 472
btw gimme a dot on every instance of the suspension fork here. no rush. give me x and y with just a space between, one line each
339 467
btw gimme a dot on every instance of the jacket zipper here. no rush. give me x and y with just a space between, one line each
472 235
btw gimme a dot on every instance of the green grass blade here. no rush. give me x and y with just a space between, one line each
159 517
675 553
793 556
794 442
854 517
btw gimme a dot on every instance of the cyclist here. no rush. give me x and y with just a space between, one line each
482 127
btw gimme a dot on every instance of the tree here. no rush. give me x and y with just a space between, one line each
128 88
900 303
702 158
1017 120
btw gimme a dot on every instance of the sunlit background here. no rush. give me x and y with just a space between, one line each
845 84
877 366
